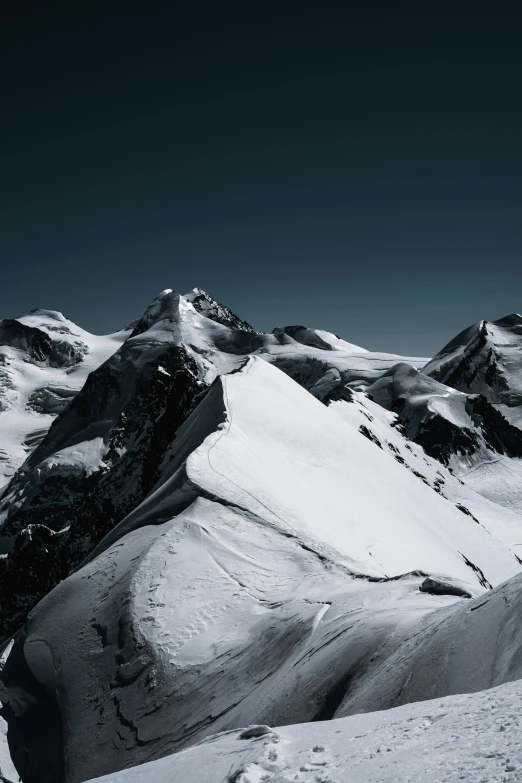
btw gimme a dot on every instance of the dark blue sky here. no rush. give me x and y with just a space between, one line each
357 169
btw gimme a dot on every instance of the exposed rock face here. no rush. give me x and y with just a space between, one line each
39 346
202 541
146 406
241 590
484 359
216 311
44 362
449 425
441 587
50 399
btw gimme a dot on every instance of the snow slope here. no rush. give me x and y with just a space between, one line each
199 624
326 484
464 648
472 738
487 359
385 430
254 583
248 536
101 457
44 362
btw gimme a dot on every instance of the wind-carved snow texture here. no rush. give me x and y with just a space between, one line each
243 529
254 583
474 737
100 458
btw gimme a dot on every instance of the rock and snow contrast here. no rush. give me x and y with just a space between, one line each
44 362
471 738
207 528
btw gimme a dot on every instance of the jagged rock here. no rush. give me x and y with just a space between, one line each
216 311
39 346
44 360
455 428
215 548
252 567
485 359
50 400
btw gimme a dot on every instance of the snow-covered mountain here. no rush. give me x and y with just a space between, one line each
44 362
224 527
485 359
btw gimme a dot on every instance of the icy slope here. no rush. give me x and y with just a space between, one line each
101 457
234 592
44 362
248 546
385 430
472 738
287 458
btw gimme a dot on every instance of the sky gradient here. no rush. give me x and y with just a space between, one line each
352 169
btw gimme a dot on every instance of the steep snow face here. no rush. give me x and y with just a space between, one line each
472 738
253 555
487 359
216 311
101 457
101 427
385 430
44 362
252 584
287 458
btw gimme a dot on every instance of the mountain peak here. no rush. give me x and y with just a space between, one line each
220 313
165 307
54 315
515 319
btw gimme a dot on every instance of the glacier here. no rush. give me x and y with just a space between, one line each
215 528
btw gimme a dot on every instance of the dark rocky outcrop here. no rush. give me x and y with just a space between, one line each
440 587
39 346
483 359
217 312
145 405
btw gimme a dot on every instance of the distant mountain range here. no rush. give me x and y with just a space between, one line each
205 527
